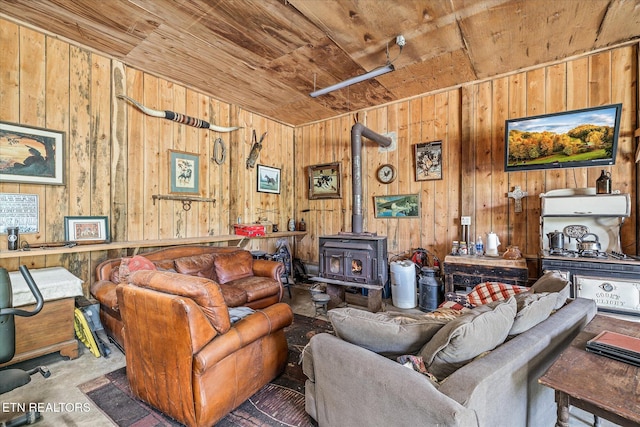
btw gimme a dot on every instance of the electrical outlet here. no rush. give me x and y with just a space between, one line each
400 41
465 220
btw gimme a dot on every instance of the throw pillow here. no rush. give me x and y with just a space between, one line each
233 266
552 281
459 341
487 292
415 363
532 309
448 310
129 265
384 333
165 265
197 265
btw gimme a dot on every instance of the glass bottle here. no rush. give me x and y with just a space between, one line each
479 246
463 248
603 184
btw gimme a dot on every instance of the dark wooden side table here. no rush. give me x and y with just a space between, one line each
597 384
462 273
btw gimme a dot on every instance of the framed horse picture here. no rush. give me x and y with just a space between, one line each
268 179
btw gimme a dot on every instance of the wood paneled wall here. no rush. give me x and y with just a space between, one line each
116 157
470 122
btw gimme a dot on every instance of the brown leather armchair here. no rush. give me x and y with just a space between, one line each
185 358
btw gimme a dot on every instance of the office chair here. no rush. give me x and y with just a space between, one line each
14 378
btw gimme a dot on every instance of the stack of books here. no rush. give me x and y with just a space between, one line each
616 346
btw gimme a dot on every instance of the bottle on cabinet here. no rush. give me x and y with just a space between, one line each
479 246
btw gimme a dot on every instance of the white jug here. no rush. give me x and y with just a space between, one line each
492 244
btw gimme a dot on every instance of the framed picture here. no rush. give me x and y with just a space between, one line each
268 179
184 172
428 157
31 155
324 181
86 228
400 206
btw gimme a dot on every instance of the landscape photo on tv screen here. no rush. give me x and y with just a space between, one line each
569 139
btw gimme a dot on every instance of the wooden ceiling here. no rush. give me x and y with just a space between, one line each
267 55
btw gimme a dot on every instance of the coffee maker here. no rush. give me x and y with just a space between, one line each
556 242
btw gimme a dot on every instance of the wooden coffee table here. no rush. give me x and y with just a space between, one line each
602 386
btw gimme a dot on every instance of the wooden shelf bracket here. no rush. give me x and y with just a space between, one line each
186 200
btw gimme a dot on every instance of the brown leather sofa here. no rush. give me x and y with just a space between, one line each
183 355
243 281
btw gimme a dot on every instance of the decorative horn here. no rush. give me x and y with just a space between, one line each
180 118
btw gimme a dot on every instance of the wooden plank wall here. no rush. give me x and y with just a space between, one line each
470 122
117 157
424 119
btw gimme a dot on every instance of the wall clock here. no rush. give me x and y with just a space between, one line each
386 174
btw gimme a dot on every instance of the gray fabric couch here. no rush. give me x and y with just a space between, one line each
350 386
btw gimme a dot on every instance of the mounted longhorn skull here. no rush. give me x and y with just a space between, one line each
180 118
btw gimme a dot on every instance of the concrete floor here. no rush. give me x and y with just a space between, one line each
68 406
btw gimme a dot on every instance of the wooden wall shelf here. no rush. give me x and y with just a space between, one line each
239 241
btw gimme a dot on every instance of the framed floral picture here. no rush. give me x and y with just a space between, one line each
184 172
31 155
428 156
324 181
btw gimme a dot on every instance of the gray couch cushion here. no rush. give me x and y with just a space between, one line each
532 309
458 342
552 281
384 333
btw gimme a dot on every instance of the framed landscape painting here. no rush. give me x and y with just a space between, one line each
31 155
398 206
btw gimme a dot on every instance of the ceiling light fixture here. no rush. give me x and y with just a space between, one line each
400 41
353 80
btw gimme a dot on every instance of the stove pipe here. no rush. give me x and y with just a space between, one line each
357 132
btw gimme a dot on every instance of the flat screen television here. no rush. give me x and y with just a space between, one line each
570 139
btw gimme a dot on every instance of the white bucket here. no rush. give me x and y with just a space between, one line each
403 284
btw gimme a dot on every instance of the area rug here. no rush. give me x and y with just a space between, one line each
279 403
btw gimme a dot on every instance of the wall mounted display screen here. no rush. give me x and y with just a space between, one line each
570 139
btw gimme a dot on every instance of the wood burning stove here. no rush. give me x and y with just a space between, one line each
354 259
